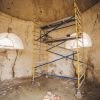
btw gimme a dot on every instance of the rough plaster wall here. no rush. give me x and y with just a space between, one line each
62 67
15 62
7 65
91 25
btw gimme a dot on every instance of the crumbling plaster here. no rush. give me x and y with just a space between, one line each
16 63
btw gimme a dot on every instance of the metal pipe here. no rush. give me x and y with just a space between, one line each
53 61
56 45
65 56
60 76
59 39
65 27
63 48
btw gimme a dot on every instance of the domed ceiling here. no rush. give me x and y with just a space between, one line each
43 10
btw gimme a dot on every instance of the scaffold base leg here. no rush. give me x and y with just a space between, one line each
32 81
78 94
46 76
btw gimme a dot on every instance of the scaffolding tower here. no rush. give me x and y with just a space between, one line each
44 39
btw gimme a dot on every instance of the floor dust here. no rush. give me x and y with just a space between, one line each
64 88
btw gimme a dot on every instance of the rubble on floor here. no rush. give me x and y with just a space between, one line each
51 96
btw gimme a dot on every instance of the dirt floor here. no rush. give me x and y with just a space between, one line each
64 88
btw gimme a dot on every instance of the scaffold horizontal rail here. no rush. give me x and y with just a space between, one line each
73 78
55 60
60 39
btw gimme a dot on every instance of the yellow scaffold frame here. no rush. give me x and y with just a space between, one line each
36 35
78 30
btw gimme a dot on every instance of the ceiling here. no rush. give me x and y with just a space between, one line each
43 10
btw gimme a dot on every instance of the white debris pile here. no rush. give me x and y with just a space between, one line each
51 96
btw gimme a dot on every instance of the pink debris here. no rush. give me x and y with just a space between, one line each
51 96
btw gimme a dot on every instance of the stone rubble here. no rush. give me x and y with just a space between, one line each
51 96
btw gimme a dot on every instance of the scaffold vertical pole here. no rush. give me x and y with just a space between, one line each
33 64
46 67
77 34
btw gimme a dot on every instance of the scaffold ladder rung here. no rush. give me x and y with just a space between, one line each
77 9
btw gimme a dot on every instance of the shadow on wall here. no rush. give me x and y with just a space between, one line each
90 71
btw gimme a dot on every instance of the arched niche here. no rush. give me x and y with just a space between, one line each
10 41
71 44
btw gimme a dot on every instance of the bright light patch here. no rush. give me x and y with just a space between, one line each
73 43
10 41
